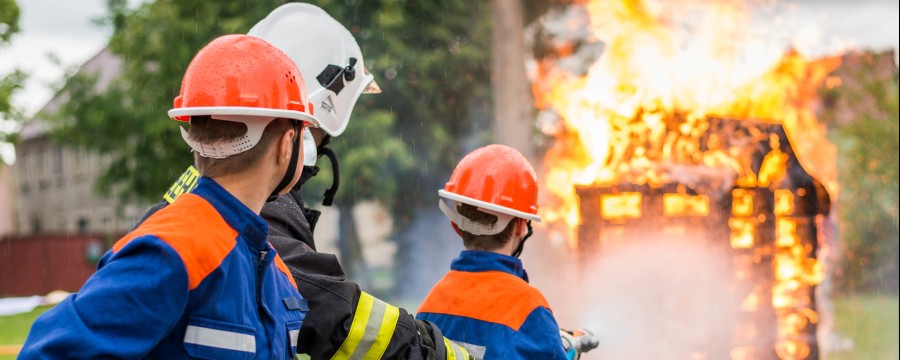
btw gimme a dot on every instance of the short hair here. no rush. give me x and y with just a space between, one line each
205 129
484 242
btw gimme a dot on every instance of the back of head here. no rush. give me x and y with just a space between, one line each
483 242
489 188
327 55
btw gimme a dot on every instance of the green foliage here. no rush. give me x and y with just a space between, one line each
868 203
370 158
431 60
9 83
9 20
127 119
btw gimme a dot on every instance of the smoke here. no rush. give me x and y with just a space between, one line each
658 298
427 247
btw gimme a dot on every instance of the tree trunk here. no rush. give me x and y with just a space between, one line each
350 246
513 107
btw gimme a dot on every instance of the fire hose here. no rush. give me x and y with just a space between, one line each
577 342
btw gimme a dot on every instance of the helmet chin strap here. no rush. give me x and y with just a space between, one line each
528 234
324 150
292 165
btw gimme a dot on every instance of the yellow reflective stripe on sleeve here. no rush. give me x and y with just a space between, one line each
454 351
357 328
385 332
186 182
449 349
371 330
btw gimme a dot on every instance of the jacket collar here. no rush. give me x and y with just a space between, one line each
480 261
247 223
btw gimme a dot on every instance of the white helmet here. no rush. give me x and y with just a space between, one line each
327 56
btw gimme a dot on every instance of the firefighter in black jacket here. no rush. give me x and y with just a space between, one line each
343 322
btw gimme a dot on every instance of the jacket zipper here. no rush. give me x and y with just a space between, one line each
260 267
262 260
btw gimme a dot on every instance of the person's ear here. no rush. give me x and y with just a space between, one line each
285 145
520 229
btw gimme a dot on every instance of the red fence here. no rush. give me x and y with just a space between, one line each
36 265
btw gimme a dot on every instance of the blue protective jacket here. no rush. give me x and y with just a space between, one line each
196 280
486 305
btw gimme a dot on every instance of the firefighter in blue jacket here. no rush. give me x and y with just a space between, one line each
198 278
485 302
344 322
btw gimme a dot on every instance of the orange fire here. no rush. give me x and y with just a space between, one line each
686 61
689 59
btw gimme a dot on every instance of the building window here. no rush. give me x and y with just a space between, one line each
82 225
43 157
57 160
36 227
78 164
23 172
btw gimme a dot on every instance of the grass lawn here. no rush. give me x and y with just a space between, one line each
14 329
871 323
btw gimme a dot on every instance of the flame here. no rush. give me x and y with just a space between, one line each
642 107
742 204
784 202
665 61
741 233
621 206
685 205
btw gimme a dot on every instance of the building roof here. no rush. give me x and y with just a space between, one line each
104 64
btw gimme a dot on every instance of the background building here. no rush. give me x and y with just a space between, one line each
56 184
54 224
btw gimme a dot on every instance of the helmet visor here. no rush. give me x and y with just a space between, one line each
371 87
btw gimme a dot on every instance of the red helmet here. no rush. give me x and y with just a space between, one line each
241 78
496 179
242 75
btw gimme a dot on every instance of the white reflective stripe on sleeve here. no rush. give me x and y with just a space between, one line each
370 333
477 351
220 339
294 335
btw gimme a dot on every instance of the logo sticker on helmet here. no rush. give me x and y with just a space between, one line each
327 106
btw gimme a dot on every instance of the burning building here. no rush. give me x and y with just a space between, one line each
767 222
690 126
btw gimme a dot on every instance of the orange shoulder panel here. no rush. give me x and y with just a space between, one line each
196 231
283 267
492 296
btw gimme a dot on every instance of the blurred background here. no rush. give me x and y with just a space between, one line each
718 177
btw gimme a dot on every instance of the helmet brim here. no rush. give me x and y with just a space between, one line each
488 206
184 114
